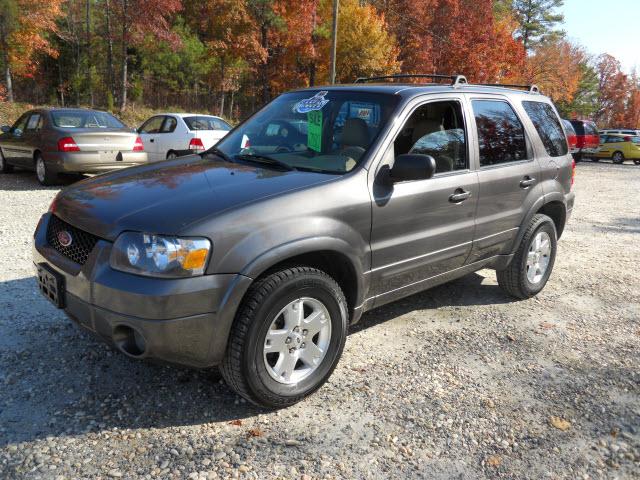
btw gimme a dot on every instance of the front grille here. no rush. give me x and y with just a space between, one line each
82 243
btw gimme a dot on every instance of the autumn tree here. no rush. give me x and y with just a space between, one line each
25 29
613 88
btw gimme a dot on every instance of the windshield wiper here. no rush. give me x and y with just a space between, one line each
264 160
216 151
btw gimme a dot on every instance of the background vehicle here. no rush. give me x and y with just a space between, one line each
619 148
63 140
572 138
624 131
269 251
171 135
587 139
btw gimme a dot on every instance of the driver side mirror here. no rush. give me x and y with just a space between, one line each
5 129
412 166
17 132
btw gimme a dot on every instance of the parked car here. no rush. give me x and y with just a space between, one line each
170 135
587 139
627 131
258 258
619 148
572 138
52 141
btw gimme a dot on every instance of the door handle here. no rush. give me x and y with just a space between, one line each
460 195
527 181
151 140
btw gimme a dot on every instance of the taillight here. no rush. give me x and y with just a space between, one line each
573 141
67 144
138 146
196 144
573 172
627 139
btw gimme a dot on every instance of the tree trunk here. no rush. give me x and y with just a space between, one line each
264 67
222 86
88 53
7 77
231 104
123 86
110 73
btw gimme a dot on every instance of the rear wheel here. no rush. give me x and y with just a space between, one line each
637 162
171 155
617 157
45 176
528 272
4 166
287 337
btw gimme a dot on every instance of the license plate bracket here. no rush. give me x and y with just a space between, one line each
51 285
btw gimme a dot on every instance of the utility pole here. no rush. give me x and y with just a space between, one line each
334 41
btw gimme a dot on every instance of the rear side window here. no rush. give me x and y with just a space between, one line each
206 123
548 126
169 125
500 133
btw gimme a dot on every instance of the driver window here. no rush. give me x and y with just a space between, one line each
436 129
152 125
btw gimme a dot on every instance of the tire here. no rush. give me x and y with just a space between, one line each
247 367
44 174
4 166
515 279
595 159
637 162
617 157
171 155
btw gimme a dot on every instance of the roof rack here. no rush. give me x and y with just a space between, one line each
530 88
455 79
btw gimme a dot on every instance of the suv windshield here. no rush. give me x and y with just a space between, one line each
325 131
85 119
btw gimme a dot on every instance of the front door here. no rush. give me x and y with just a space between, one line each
150 135
424 228
13 141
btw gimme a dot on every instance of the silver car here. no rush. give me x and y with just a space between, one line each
65 140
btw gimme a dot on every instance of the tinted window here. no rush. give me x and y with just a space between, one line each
153 125
85 119
35 122
578 126
548 126
206 123
436 129
500 133
169 125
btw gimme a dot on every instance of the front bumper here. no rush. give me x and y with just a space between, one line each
184 321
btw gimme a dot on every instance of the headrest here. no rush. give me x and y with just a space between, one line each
355 133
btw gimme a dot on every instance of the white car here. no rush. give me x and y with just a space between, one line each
170 135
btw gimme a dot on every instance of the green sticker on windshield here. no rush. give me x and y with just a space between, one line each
314 130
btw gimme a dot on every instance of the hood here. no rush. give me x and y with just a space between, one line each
165 197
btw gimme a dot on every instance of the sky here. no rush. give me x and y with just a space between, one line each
606 27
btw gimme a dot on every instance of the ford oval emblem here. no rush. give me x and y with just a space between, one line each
65 238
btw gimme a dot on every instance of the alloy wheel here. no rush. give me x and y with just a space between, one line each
41 170
538 257
297 340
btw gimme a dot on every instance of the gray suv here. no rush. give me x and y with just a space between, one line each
258 254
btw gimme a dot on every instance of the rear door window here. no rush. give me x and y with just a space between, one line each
501 135
169 125
35 122
548 126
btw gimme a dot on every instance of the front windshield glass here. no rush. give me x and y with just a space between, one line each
85 119
325 131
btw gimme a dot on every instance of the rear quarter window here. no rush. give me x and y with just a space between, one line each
548 126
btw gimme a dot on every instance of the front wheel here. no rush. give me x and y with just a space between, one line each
528 272
4 166
637 162
617 157
287 337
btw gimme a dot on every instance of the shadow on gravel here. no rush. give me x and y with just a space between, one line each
619 225
56 380
26 181
464 291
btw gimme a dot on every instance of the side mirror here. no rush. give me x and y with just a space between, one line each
5 129
17 132
412 166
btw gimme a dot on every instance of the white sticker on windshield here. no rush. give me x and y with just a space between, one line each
312 104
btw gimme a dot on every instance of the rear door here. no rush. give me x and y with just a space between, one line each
150 133
508 175
167 139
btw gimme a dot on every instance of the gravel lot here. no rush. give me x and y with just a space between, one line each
456 382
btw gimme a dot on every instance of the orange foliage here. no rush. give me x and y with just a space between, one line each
613 92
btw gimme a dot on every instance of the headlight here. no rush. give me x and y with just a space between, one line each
159 255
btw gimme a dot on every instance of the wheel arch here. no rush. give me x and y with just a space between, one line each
553 206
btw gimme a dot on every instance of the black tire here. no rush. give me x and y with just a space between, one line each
171 155
45 176
4 166
595 159
243 367
637 162
617 157
513 279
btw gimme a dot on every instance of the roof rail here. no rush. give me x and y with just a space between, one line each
455 79
530 88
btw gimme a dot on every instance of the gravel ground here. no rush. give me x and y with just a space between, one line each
456 382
